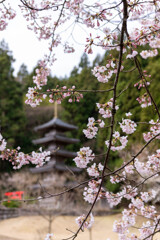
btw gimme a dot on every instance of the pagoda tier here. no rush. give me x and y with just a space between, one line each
64 153
59 167
46 168
55 123
54 140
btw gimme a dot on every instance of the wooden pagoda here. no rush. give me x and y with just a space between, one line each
55 141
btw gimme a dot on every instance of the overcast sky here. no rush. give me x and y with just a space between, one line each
28 49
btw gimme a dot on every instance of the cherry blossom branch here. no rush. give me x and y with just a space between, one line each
138 2
82 91
110 8
138 66
113 113
151 235
56 24
47 7
141 183
155 229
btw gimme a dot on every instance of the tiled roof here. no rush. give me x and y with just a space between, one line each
56 123
55 138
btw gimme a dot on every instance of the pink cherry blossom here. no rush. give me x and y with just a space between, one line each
128 126
84 157
88 223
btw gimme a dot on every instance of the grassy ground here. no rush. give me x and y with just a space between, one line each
36 227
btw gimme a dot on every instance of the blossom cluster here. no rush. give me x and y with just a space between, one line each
149 53
110 38
127 192
137 207
106 109
93 20
150 167
41 75
62 93
154 130
19 159
118 142
30 16
94 170
75 6
91 191
88 223
92 130
100 71
116 179
144 100
141 84
84 157
128 126
132 55
34 97
6 13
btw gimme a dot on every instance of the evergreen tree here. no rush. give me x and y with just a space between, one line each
12 118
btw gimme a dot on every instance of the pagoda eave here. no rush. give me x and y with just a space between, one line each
56 123
51 167
46 168
54 139
64 153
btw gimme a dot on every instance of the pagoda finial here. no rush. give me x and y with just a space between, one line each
55 110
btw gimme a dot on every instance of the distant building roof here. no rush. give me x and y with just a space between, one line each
56 123
64 153
49 167
46 168
55 138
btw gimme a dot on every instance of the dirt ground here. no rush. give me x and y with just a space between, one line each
36 227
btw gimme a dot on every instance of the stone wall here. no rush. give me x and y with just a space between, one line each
6 213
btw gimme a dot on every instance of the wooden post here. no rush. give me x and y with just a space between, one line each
55 110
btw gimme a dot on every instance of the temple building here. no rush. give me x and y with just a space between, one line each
55 140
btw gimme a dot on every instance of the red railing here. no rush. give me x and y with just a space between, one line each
14 195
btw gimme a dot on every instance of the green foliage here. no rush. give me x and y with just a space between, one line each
12 204
112 187
11 100
12 116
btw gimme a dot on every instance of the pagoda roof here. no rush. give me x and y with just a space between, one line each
46 168
49 167
56 123
55 138
64 153
63 167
